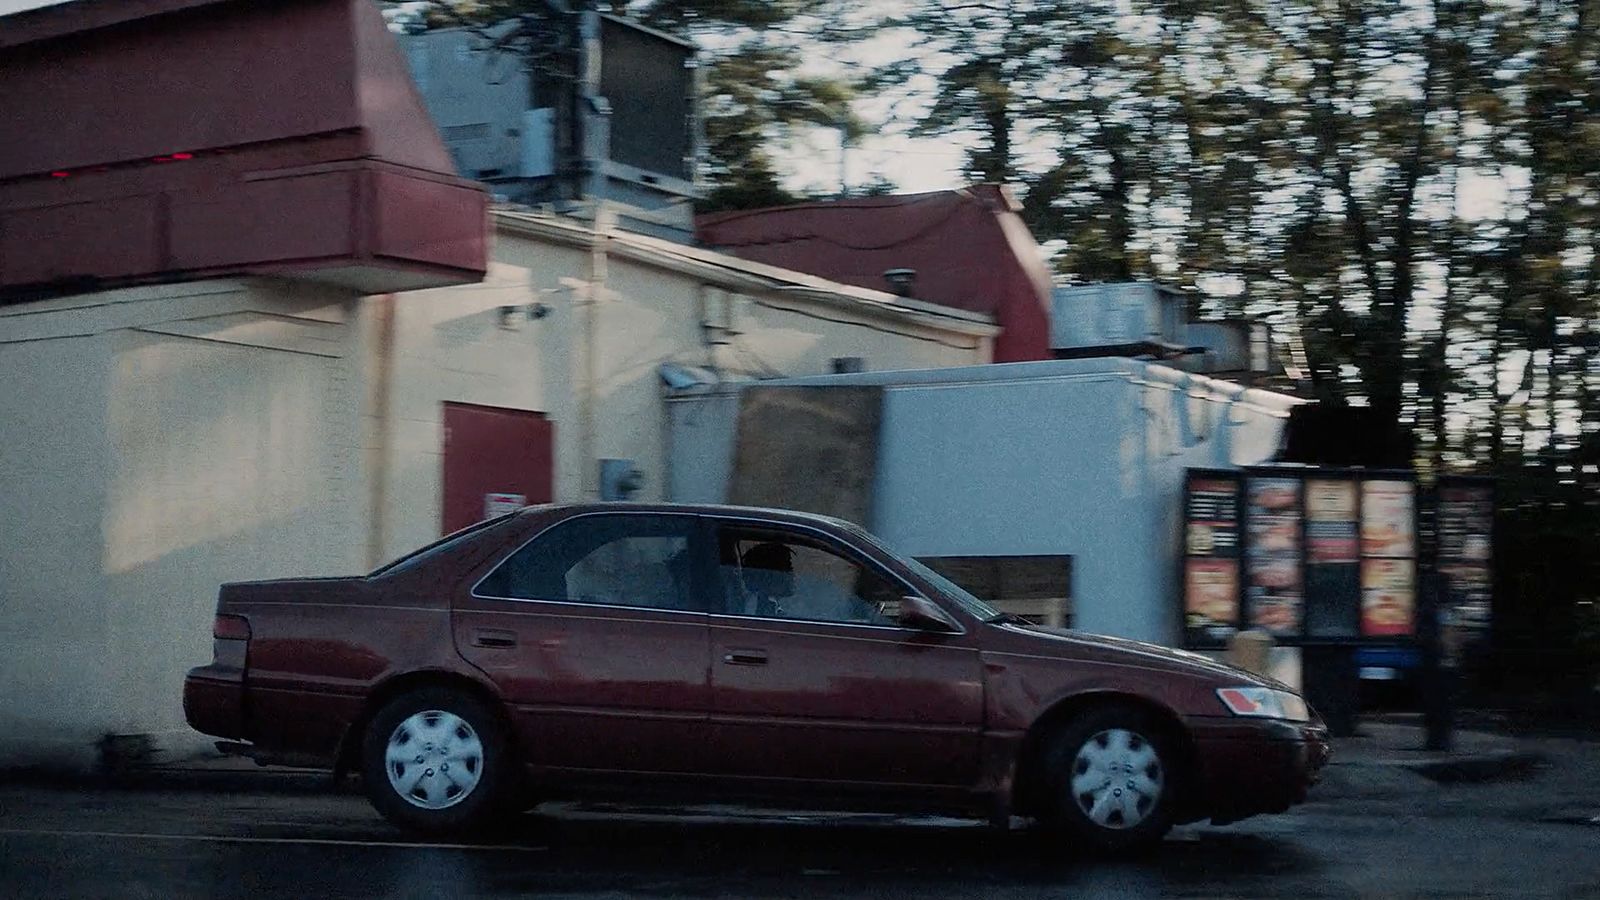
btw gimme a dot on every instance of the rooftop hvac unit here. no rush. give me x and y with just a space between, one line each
1132 319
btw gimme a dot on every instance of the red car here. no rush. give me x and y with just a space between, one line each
704 651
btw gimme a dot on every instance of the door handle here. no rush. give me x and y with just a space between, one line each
493 637
745 657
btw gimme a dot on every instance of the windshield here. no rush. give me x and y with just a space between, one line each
955 592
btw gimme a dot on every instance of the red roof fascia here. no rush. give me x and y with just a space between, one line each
970 250
165 140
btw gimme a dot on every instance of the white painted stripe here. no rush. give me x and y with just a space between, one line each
245 839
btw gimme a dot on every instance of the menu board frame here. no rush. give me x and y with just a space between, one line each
1338 586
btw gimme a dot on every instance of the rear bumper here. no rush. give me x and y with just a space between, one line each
213 701
1251 766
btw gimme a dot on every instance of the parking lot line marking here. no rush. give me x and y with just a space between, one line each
247 839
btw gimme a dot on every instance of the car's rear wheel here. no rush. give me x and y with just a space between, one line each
437 760
1112 778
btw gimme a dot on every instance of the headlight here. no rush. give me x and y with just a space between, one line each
1264 703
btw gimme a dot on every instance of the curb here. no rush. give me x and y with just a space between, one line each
178 779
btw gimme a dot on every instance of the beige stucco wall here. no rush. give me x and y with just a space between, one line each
156 443
450 344
422 349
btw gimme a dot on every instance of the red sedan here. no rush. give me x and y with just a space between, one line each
718 652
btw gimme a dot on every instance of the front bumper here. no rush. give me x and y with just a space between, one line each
1245 767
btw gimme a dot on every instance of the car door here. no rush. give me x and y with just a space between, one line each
814 678
595 632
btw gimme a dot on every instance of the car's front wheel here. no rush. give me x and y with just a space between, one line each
436 760
1112 779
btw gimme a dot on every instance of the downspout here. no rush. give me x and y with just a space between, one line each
588 439
382 372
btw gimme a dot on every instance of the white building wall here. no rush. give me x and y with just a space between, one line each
159 442
1077 457
451 345
420 350
647 314
53 625
1088 464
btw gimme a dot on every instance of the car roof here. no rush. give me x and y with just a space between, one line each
700 509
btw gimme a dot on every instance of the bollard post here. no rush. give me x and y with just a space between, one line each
1251 650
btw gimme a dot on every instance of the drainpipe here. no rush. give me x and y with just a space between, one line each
382 372
588 440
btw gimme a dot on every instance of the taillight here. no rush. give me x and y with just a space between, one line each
231 628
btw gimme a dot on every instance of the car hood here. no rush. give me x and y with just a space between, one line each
1062 642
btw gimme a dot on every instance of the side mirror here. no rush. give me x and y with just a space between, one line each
920 612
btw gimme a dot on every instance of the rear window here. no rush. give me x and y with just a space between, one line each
443 545
636 560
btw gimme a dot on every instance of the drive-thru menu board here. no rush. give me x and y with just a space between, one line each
1211 558
1466 551
1315 554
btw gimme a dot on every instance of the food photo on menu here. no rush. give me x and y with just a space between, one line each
1212 592
1387 519
1279 615
1388 597
1275 495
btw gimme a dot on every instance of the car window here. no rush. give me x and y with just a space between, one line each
777 575
952 591
438 548
611 560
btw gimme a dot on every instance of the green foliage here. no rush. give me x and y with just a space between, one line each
1411 188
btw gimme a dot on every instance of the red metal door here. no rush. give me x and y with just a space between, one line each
494 457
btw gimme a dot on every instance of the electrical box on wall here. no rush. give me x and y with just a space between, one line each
619 479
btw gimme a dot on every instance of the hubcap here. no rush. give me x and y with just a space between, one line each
1117 778
434 759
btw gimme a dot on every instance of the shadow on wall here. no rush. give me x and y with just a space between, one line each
223 462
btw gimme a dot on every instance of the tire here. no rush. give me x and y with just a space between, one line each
1112 775
443 728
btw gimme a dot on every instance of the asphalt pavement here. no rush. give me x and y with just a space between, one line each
1375 828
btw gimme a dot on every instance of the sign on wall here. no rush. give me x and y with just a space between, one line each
498 504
